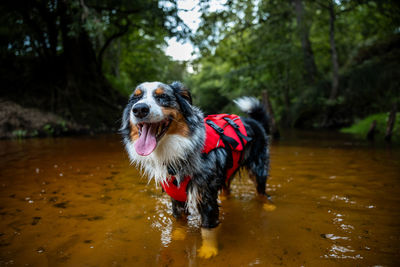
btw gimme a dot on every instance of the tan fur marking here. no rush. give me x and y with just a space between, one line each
159 91
178 124
134 132
137 92
185 94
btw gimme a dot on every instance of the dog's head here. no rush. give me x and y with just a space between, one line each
154 111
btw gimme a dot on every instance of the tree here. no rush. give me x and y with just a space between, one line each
310 67
61 46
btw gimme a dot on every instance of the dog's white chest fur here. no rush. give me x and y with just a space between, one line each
170 151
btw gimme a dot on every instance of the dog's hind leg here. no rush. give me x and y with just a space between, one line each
225 192
262 195
259 169
258 166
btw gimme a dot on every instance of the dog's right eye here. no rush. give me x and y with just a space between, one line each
135 98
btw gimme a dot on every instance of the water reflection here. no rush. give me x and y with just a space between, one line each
77 201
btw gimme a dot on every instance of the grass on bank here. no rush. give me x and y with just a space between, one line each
362 126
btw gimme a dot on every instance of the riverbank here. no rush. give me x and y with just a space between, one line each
362 128
20 122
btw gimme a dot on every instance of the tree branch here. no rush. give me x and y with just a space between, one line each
107 43
322 4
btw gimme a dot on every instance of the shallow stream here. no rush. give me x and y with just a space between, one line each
78 202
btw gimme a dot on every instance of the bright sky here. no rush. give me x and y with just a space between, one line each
183 51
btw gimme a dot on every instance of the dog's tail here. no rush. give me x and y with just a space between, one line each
255 110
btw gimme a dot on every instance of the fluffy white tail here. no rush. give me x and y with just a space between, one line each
247 104
254 109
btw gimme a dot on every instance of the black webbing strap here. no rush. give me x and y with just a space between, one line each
229 142
237 131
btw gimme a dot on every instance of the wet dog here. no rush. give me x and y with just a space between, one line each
191 156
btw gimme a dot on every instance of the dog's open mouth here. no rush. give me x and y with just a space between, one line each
149 135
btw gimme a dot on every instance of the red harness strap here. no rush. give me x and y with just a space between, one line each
222 130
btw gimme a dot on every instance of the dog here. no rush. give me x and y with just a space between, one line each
169 139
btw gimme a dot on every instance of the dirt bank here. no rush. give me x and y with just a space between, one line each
19 122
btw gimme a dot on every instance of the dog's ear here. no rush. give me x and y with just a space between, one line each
183 98
180 89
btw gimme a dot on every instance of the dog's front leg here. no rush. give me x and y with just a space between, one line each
209 212
178 208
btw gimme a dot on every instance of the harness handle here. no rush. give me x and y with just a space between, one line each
229 140
237 130
213 125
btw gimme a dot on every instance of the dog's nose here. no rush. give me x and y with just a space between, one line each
141 110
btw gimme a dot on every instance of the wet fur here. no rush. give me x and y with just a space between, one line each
179 151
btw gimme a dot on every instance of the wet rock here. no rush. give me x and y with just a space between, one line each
4 244
36 220
105 198
62 205
95 218
53 199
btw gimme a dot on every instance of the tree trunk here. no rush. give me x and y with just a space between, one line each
372 131
335 63
267 104
85 94
390 123
116 63
308 56
286 119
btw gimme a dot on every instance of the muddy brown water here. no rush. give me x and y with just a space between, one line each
77 202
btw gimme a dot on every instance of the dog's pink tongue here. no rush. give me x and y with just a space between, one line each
147 140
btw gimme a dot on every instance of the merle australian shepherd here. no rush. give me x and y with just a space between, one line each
164 135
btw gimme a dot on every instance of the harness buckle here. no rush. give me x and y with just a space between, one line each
231 123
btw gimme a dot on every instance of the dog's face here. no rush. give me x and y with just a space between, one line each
156 110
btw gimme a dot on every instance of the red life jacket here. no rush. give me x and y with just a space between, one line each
222 130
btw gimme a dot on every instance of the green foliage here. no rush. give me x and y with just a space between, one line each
362 126
207 89
141 58
251 46
81 58
19 133
48 129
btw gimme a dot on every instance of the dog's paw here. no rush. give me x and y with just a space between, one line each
207 251
209 248
178 234
269 207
